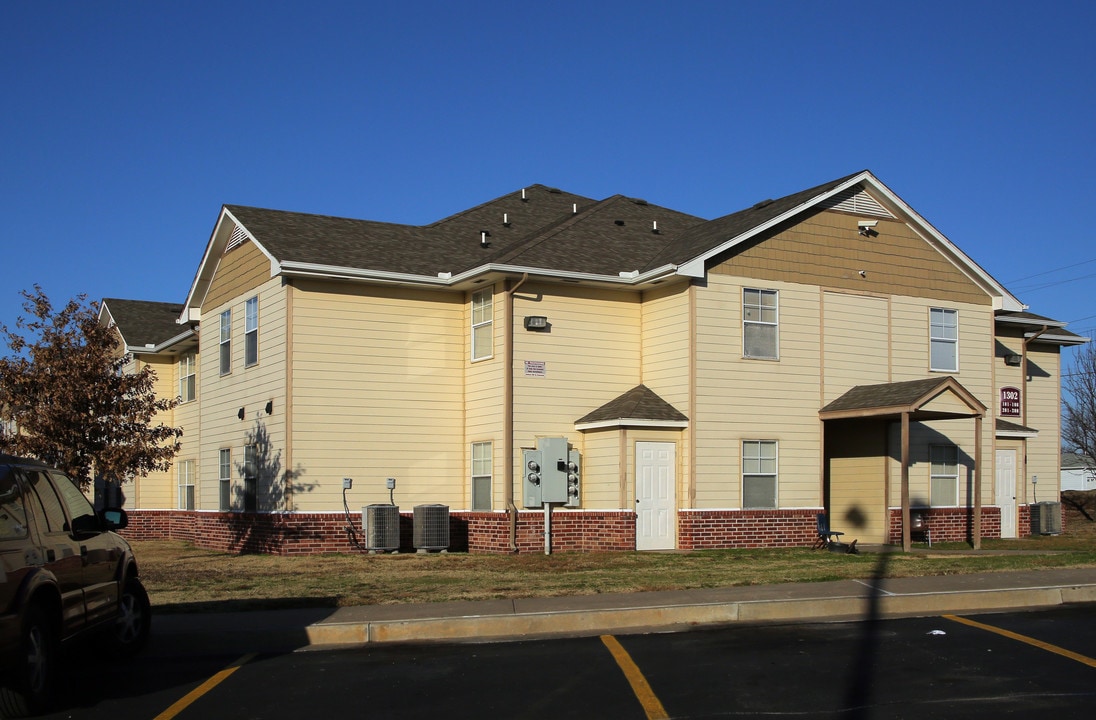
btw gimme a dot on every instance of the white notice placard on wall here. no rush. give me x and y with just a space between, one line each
535 368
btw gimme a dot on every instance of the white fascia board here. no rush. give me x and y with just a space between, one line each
1017 434
157 349
442 280
1051 338
634 423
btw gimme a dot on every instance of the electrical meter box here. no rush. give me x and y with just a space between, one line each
551 474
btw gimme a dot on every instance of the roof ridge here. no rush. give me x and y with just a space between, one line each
543 234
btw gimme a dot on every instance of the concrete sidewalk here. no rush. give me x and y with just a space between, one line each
286 630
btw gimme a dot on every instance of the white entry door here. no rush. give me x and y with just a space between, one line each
656 496
1006 491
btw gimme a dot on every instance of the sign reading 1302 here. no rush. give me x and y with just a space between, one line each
1010 401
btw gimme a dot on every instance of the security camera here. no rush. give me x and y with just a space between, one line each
863 224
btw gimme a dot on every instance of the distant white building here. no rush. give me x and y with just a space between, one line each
1078 472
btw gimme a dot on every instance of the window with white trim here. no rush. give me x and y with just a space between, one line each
944 480
226 342
186 485
759 468
943 340
224 479
188 386
481 476
251 478
251 331
760 324
482 324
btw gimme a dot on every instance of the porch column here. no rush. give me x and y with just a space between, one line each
976 530
906 545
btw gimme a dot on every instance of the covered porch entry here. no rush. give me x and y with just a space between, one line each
856 476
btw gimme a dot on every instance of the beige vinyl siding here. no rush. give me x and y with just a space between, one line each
857 502
826 250
604 484
158 490
856 342
591 356
241 269
743 399
666 340
378 392
249 388
483 395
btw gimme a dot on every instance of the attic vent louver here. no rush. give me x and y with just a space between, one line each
239 235
857 200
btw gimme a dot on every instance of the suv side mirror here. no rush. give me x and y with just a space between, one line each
114 518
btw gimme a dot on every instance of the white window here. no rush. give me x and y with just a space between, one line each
251 332
944 340
225 479
186 485
482 317
251 478
187 378
481 476
759 324
759 474
226 342
944 483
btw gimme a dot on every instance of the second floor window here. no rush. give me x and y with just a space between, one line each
226 342
759 324
944 340
482 333
188 389
251 331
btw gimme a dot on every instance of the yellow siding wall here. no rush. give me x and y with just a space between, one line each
378 392
157 490
1043 403
483 397
243 273
591 355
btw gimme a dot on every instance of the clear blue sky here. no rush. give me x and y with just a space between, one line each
126 125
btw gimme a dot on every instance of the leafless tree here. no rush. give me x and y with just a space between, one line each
1079 412
67 398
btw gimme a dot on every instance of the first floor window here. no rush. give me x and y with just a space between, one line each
759 474
251 478
188 387
759 324
481 476
944 340
224 481
186 485
944 483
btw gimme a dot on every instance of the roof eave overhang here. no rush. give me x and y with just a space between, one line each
1016 434
630 422
157 348
1052 339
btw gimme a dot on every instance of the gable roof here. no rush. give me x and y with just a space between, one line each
927 399
544 232
145 327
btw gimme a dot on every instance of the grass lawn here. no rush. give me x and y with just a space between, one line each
183 578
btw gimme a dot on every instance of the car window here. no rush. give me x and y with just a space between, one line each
79 507
51 504
13 516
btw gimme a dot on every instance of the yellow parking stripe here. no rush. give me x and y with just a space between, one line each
640 686
1083 659
185 702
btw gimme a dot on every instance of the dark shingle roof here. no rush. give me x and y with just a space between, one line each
143 323
897 397
639 403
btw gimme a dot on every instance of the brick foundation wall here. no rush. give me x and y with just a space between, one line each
698 529
950 524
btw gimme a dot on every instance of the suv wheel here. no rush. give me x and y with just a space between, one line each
27 690
131 629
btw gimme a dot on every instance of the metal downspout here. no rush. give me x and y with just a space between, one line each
508 410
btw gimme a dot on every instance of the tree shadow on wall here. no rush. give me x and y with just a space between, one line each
261 495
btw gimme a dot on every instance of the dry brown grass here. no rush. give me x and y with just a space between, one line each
181 577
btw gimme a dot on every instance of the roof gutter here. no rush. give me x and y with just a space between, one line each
154 349
442 280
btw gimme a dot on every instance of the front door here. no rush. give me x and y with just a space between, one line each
656 496
1005 488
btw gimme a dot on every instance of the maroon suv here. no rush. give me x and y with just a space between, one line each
63 574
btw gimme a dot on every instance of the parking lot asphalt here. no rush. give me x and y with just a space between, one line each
617 613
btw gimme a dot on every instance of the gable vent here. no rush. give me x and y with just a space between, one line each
237 238
859 202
